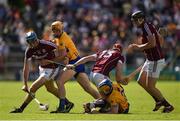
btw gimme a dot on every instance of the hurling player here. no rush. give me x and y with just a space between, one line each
113 99
151 46
65 43
39 50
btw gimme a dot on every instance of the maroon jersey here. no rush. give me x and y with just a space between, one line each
106 61
155 53
44 50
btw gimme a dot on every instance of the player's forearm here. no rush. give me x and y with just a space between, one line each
25 71
84 60
59 59
145 46
161 40
81 61
119 75
25 75
60 55
150 44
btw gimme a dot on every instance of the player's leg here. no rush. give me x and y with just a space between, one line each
100 103
150 72
142 81
96 78
54 90
83 80
53 74
143 78
64 77
156 93
50 87
155 69
34 87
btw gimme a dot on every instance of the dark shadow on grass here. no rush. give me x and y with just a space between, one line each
91 114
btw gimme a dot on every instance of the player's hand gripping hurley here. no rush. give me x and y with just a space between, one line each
43 107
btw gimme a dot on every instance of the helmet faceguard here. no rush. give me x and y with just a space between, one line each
57 26
105 87
31 37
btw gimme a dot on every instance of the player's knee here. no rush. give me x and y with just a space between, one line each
61 82
49 89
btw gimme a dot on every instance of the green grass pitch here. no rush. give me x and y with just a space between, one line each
141 103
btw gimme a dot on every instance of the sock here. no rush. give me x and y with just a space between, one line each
66 101
165 103
92 105
61 104
99 103
23 106
156 100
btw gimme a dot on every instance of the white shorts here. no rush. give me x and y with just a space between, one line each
96 78
48 73
153 68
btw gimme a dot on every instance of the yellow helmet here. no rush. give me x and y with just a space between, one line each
57 25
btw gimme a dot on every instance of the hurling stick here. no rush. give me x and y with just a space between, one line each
131 75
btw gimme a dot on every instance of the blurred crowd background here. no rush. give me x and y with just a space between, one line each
94 25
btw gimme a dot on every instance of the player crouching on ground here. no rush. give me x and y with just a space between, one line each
113 99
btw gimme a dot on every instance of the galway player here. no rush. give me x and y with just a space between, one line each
151 46
39 50
105 61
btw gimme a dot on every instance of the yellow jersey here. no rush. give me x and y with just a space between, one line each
118 97
65 42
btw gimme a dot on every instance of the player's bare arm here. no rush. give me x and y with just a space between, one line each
25 75
60 56
82 61
120 78
161 38
86 59
150 44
